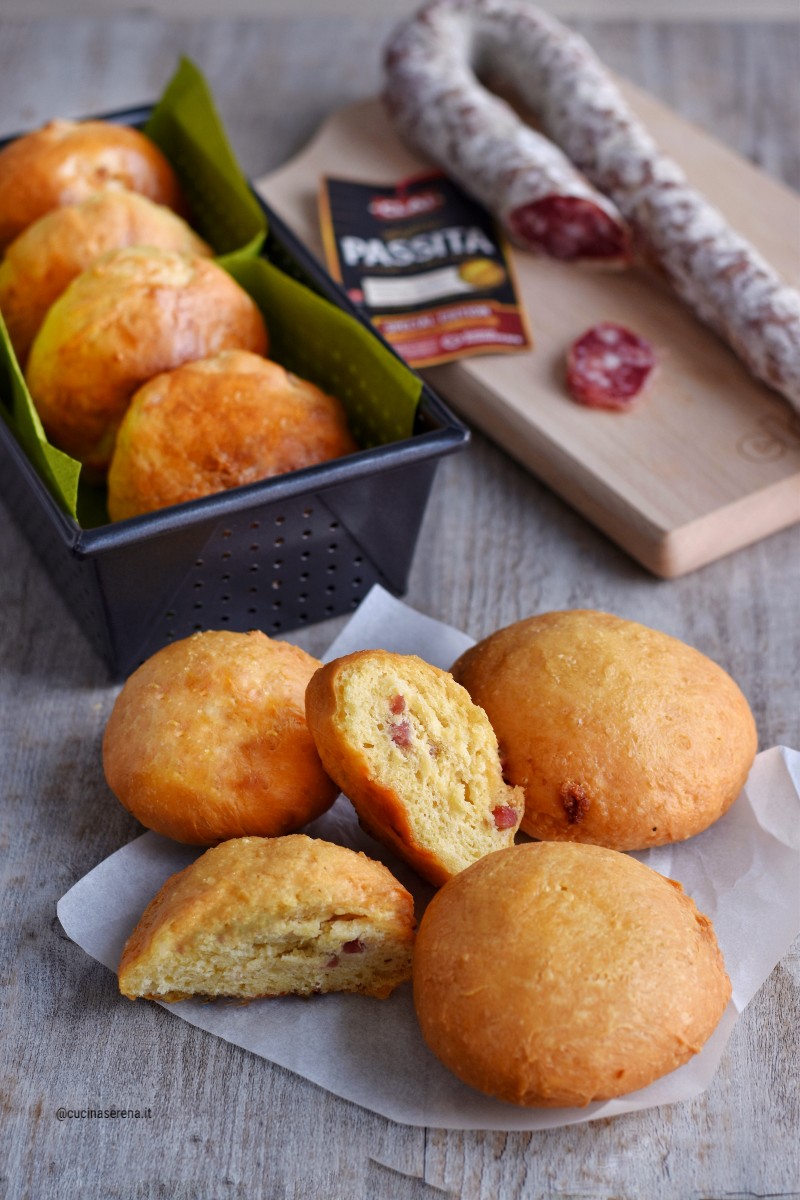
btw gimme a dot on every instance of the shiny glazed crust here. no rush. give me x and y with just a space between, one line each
208 740
135 313
620 735
64 162
42 261
261 917
417 759
219 423
552 975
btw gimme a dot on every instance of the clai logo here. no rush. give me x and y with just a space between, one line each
394 208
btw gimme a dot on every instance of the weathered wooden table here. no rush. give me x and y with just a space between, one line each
495 546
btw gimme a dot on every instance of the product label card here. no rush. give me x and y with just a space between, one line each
427 265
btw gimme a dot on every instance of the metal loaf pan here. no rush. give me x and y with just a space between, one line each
276 555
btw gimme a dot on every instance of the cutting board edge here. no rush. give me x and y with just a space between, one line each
666 552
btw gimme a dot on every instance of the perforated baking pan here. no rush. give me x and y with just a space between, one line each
275 555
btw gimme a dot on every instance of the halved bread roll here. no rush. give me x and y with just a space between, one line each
416 757
261 917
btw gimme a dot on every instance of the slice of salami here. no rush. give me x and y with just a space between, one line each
609 366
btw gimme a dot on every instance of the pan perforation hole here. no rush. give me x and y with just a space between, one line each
314 571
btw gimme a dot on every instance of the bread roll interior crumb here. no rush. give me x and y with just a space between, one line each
417 758
258 917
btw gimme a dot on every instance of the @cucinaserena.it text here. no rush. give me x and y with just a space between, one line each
108 1114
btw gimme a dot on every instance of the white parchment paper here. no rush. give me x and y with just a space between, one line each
744 873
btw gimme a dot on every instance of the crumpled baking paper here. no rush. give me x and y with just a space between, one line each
744 873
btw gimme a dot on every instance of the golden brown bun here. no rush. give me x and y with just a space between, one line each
552 974
267 916
619 734
43 260
135 313
216 424
208 740
418 760
65 161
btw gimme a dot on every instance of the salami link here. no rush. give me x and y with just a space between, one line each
539 189
435 98
608 367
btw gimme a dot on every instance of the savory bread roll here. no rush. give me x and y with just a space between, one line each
219 423
553 974
416 757
133 314
64 162
51 252
619 734
208 740
268 916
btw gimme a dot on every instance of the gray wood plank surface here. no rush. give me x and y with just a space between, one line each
495 546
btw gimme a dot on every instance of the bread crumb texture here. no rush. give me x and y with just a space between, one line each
257 917
554 974
416 757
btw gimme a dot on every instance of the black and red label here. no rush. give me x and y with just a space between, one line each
427 265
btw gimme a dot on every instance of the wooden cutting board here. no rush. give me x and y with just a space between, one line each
710 461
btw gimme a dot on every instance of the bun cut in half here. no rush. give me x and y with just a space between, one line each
260 917
416 757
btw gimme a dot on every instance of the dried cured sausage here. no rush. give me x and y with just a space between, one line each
438 103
